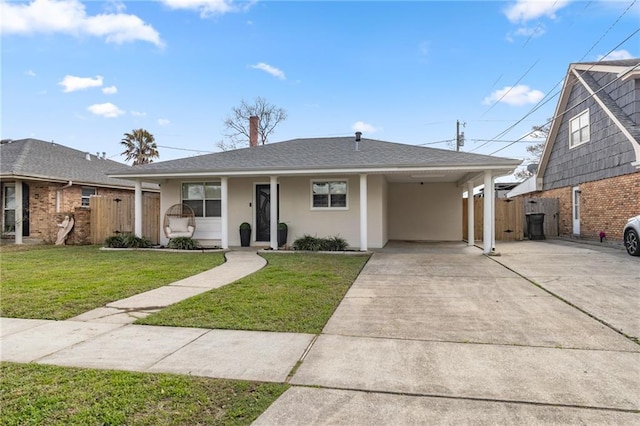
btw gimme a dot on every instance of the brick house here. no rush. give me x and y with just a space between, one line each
591 159
41 182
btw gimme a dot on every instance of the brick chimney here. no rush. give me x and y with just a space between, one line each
253 130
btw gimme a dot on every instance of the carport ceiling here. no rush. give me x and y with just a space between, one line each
439 176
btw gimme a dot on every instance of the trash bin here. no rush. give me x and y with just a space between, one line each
535 226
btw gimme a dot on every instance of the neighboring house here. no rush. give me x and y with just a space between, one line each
501 189
365 191
591 159
41 180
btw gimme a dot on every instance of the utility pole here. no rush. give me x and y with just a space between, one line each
459 136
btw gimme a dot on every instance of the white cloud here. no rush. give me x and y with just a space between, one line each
30 73
270 70
107 110
530 31
138 113
72 83
110 90
115 6
516 96
163 122
616 55
361 126
206 8
70 17
526 10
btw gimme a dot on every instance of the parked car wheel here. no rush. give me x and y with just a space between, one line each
631 236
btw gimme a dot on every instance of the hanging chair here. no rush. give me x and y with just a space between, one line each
179 221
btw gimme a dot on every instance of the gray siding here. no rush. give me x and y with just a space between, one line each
608 153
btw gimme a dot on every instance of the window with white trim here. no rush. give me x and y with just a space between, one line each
87 192
9 208
205 198
329 194
579 129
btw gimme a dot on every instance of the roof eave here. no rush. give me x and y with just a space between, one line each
155 175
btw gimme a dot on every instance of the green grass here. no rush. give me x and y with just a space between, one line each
53 282
295 292
32 394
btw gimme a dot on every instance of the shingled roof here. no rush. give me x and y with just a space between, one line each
37 159
319 154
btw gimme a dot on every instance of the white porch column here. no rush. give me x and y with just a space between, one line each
18 212
273 214
487 231
471 221
363 213
224 212
138 209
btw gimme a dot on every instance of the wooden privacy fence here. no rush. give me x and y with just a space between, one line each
510 217
111 216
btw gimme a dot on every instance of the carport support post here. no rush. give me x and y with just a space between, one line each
138 209
224 213
363 213
487 225
470 219
273 204
18 212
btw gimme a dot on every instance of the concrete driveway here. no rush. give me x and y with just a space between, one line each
440 334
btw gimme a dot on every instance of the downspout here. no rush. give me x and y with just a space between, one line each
59 194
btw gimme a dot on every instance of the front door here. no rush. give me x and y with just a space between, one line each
576 210
263 212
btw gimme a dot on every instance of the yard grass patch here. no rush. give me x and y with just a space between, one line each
295 292
53 282
33 394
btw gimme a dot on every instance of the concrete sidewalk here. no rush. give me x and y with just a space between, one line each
104 338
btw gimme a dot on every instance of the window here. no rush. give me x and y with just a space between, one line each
9 208
87 192
203 197
329 194
579 129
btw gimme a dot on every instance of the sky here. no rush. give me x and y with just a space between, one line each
82 74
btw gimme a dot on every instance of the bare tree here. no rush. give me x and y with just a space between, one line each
237 125
140 146
535 150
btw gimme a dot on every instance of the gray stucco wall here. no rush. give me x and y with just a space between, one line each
608 152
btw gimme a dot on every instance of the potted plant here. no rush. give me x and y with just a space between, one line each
245 234
282 233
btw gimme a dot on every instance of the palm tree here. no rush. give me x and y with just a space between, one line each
140 147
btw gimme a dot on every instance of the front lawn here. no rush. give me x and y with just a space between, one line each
295 292
33 394
54 282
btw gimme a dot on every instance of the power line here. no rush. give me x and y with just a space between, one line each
543 102
575 106
185 149
510 88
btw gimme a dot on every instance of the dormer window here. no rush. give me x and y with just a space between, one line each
579 129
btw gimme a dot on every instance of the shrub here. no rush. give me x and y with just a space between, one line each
334 244
183 243
309 243
132 241
245 225
115 241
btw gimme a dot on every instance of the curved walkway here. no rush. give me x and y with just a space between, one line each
239 264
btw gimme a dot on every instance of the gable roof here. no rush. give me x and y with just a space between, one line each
48 161
319 155
582 73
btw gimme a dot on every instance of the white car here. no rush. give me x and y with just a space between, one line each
632 236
